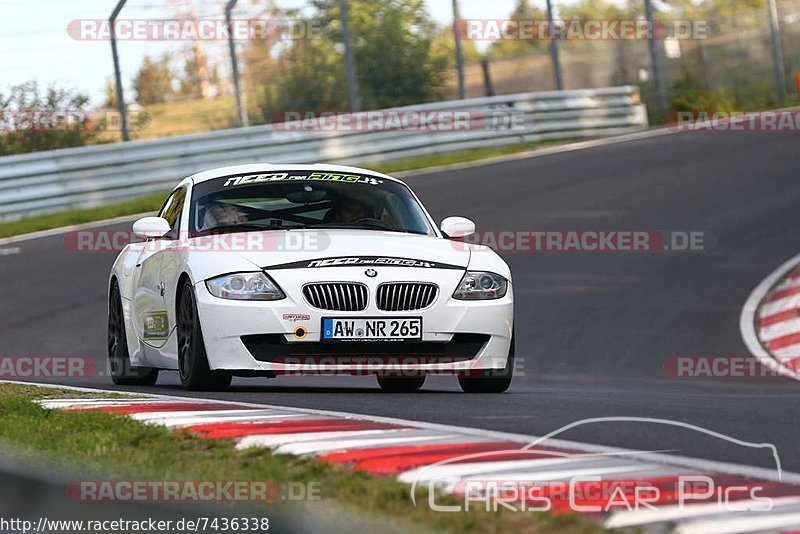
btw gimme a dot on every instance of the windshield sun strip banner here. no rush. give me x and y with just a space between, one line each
338 177
351 261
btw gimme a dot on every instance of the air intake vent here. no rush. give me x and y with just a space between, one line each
406 296
336 296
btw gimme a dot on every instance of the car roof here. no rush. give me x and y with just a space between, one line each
252 168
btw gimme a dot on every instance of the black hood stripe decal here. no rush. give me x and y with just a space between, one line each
357 261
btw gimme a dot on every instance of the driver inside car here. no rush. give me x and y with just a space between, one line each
347 211
219 214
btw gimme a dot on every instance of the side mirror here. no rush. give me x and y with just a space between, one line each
150 227
457 227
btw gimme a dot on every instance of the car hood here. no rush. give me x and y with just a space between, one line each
302 249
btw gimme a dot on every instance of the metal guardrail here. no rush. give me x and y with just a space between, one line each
42 182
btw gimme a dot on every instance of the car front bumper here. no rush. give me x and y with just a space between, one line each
283 337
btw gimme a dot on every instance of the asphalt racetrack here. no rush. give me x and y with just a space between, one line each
594 329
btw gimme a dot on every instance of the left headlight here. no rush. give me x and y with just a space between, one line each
479 285
245 286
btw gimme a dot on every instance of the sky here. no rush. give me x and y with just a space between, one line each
34 44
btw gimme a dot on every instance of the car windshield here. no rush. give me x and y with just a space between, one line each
295 199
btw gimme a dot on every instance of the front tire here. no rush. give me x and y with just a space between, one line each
401 385
119 361
193 368
493 380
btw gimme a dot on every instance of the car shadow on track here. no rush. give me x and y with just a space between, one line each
302 389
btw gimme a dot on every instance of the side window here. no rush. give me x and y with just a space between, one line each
171 211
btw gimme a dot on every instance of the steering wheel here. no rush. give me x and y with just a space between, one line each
372 221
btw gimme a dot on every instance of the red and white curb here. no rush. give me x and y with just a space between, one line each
449 458
770 320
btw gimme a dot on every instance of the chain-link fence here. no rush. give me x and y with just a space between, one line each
190 82
734 63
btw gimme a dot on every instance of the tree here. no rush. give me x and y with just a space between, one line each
189 79
32 120
396 60
153 81
392 41
587 10
312 78
506 48
260 74
110 94
443 46
592 10
722 15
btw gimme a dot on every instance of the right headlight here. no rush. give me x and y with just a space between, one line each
245 286
480 285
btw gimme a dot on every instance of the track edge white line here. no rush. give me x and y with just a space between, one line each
747 326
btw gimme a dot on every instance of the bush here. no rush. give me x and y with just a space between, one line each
697 102
18 134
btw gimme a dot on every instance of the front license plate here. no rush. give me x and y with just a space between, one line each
371 328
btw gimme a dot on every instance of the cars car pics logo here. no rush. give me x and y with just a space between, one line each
316 176
588 492
372 273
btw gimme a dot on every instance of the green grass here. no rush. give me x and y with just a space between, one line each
105 443
153 202
187 117
179 117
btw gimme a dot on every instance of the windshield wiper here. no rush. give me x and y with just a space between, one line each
362 225
240 227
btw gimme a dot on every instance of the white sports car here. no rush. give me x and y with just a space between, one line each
263 270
